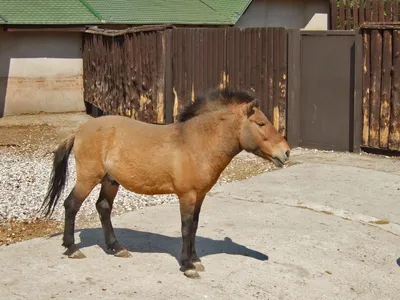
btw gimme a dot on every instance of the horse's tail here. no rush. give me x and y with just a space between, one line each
58 175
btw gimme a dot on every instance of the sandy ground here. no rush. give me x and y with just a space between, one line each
328 227
312 231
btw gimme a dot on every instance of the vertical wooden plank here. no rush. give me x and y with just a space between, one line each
388 10
246 62
366 82
282 83
381 11
179 80
169 96
342 20
264 71
229 55
334 14
375 10
192 61
361 12
196 63
356 23
394 136
376 67
224 59
349 22
259 67
276 78
294 77
159 83
395 10
270 64
255 66
357 103
202 67
385 93
368 11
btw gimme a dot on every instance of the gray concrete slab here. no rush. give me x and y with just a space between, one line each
305 232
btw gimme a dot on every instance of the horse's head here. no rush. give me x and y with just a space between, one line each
259 136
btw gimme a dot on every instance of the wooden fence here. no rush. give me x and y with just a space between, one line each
151 75
351 14
381 87
124 74
254 59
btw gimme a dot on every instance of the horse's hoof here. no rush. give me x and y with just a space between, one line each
199 266
123 253
192 273
77 254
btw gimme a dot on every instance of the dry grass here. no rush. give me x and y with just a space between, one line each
17 231
380 222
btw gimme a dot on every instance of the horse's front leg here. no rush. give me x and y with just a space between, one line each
187 203
195 259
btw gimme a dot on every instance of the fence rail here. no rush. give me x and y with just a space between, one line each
351 14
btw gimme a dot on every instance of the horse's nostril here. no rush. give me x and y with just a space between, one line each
287 153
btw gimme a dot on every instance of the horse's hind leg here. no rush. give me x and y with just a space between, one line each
72 205
104 206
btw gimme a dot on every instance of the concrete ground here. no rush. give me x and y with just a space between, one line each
327 228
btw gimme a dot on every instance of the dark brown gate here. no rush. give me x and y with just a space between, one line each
324 106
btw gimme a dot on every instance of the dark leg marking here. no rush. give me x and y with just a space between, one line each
186 260
195 259
72 206
104 207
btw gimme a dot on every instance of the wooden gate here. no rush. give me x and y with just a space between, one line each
324 103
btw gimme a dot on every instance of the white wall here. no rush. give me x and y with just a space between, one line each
40 71
285 13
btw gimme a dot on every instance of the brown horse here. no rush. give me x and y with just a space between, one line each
185 158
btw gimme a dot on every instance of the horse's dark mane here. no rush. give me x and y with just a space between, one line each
214 100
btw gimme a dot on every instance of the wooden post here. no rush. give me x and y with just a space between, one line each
283 65
366 83
277 53
349 24
294 78
376 56
169 99
385 95
355 14
357 101
334 14
395 10
361 13
381 11
394 137
341 15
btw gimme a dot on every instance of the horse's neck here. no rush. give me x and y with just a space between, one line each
214 139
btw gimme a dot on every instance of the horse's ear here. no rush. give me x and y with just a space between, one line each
250 107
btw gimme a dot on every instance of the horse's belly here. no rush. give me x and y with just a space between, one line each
145 183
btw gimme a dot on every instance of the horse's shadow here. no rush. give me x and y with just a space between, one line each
148 242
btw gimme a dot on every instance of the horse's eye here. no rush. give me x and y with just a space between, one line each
261 124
